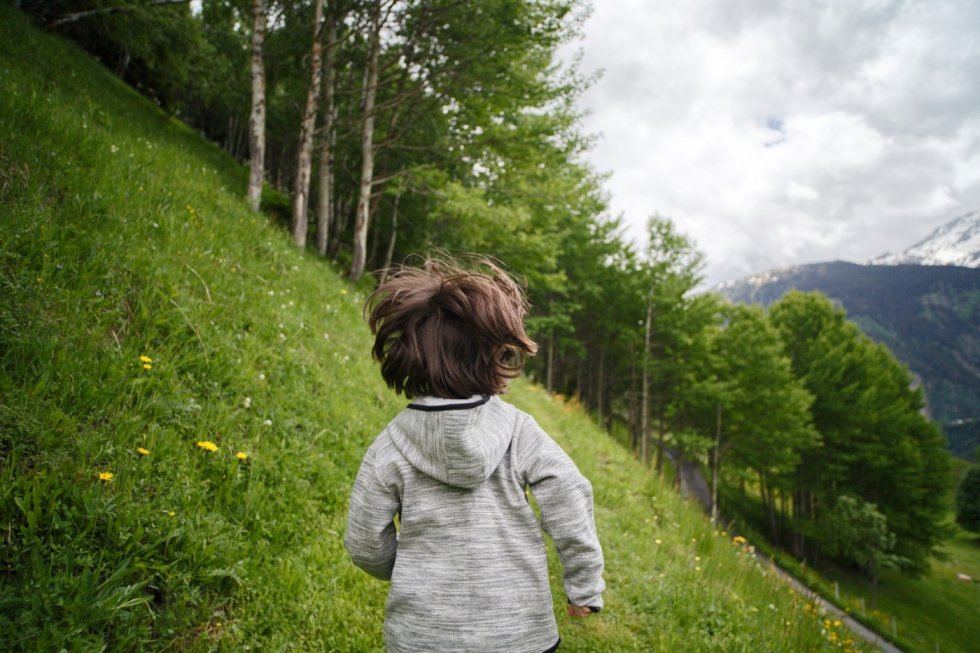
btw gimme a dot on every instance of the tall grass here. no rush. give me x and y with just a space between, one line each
185 398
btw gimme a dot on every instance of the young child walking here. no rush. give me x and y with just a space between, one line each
439 505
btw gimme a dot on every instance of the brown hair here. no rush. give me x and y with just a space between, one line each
447 331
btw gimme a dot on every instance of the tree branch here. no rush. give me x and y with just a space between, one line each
79 15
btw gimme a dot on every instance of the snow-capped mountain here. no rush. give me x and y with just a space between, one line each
955 243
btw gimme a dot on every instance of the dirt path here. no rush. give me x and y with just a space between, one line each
693 485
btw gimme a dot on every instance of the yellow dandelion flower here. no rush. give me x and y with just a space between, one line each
241 455
738 539
171 513
105 476
147 366
343 291
657 541
207 445
145 359
143 452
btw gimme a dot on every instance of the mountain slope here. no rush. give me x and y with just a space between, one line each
185 398
955 243
929 316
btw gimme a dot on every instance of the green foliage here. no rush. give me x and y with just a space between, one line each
968 501
858 532
877 445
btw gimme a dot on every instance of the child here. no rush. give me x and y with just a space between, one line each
467 565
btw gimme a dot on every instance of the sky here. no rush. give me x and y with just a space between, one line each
779 132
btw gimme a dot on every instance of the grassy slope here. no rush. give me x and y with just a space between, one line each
935 611
124 235
938 609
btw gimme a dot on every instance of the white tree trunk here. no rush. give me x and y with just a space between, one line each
301 190
363 214
324 210
256 120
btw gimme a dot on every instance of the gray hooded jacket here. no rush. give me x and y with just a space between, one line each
468 567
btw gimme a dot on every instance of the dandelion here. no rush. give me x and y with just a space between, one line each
171 513
343 291
261 376
145 359
657 541
267 422
113 149
143 452
738 539
147 366
241 455
105 476
207 445
247 403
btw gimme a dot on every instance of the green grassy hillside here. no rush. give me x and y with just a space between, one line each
184 401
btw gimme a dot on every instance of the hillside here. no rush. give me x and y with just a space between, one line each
185 399
929 316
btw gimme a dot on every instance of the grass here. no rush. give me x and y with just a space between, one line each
935 612
144 310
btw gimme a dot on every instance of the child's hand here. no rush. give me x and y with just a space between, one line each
578 611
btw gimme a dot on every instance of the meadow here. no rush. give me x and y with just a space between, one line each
185 398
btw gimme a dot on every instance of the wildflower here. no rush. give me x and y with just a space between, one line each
657 541
113 149
267 422
247 403
145 359
147 366
171 513
143 452
105 476
207 445
738 539
343 291
241 455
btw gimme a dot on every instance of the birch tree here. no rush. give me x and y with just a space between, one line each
325 189
256 122
301 188
363 214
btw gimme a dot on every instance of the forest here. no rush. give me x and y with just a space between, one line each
377 132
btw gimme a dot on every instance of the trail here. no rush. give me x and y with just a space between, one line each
693 484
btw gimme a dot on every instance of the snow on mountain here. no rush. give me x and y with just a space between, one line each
955 243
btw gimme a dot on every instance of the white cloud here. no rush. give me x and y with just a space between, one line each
779 133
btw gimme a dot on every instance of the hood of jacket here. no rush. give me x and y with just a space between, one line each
458 446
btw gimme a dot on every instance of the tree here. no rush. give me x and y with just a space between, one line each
857 532
875 442
301 188
363 216
968 501
256 122
766 425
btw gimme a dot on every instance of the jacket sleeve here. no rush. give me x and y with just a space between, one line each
565 499
371 538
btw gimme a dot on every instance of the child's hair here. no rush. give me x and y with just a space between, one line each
447 331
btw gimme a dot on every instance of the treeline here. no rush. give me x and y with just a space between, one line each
394 127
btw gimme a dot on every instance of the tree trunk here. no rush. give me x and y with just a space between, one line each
549 374
645 390
324 209
301 189
256 120
363 215
715 467
391 240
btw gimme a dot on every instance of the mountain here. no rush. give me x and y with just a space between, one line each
928 315
955 243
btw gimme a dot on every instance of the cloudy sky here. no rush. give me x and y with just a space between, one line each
783 132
